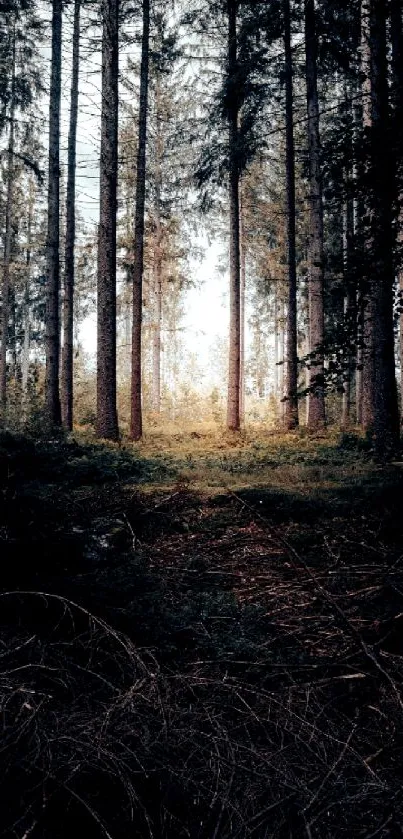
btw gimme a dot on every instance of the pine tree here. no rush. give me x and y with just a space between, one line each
291 405
316 405
20 82
157 260
68 297
136 422
52 398
396 29
232 105
367 304
386 420
107 422
5 309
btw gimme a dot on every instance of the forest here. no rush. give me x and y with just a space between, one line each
201 401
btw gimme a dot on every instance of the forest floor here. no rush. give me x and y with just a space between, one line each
201 636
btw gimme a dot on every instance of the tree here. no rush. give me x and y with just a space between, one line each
20 81
242 302
291 406
8 234
232 108
136 422
157 260
68 297
107 422
52 398
25 360
233 135
396 28
386 420
316 406
367 310
349 294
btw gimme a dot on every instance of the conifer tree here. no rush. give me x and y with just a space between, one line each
291 405
20 82
136 422
52 397
316 404
107 422
232 106
68 296
5 309
386 422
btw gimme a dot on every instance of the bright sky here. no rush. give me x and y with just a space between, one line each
206 319
206 310
206 313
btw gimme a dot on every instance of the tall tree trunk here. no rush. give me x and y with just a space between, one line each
282 345
353 91
307 377
136 424
316 399
291 404
157 315
349 300
52 398
157 267
233 412
26 308
396 27
14 371
242 248
348 245
349 307
386 418
347 373
400 244
107 422
156 348
276 344
5 295
359 365
367 312
68 299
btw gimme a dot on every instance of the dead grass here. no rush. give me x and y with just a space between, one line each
224 663
210 458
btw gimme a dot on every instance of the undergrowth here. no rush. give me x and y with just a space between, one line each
204 641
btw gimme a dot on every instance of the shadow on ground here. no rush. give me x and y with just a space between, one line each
184 663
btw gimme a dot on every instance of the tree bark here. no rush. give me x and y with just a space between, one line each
68 299
291 404
349 314
282 359
242 311
5 296
25 362
233 404
157 267
316 399
386 418
157 315
52 398
107 422
358 373
136 424
396 27
276 344
366 295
